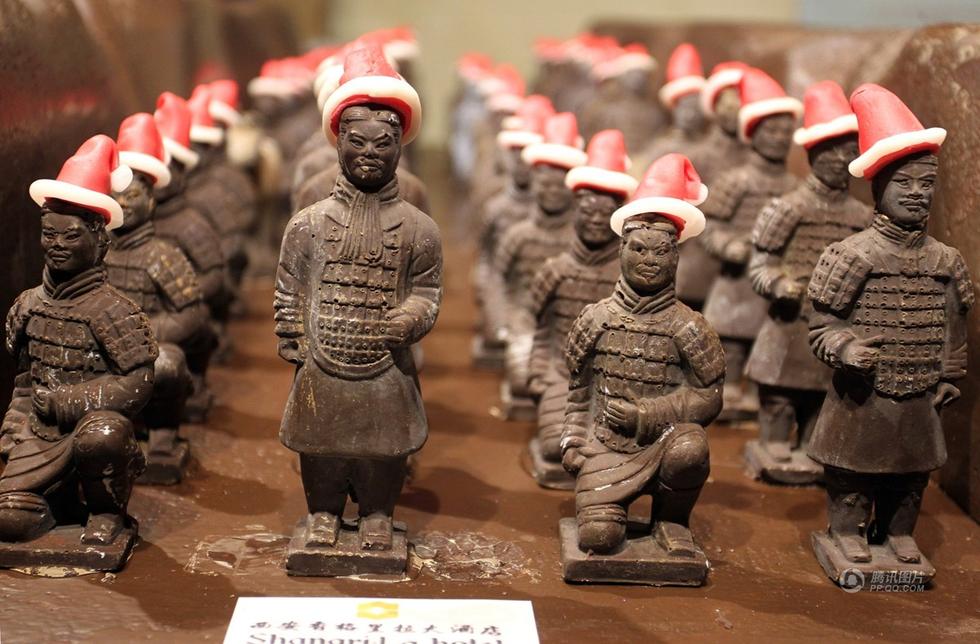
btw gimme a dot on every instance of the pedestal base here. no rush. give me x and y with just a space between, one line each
487 356
519 408
61 553
548 473
641 561
165 469
346 558
799 470
741 402
883 569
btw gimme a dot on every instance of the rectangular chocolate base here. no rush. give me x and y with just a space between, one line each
484 357
548 473
641 561
165 469
346 558
519 408
61 553
841 570
799 470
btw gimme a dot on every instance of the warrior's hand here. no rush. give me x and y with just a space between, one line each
946 394
571 457
623 415
861 354
42 399
399 326
788 290
292 350
536 386
23 501
737 251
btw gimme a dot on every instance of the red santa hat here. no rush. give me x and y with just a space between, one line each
887 131
203 128
606 167
528 124
400 43
224 101
369 78
671 188
282 78
549 49
509 92
173 118
723 75
826 114
141 147
473 65
761 97
685 74
630 58
562 144
87 179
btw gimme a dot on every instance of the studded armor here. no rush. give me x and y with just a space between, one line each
176 220
524 249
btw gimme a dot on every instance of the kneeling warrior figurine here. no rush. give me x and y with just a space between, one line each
155 273
890 306
359 283
584 274
789 236
646 379
86 355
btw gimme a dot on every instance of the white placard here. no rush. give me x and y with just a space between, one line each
351 620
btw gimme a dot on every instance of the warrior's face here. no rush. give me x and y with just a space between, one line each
727 104
592 212
548 185
636 81
829 160
369 146
688 116
136 201
517 168
773 135
72 243
903 190
648 260
178 175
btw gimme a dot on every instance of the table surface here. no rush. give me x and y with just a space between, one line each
221 533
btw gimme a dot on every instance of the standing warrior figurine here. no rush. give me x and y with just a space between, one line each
789 236
526 246
155 273
582 275
890 307
646 379
86 356
359 283
766 121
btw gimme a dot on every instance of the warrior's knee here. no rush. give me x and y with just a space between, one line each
170 373
103 439
686 462
601 528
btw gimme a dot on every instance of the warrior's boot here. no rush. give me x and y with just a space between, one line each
376 531
601 528
849 511
777 418
896 513
322 529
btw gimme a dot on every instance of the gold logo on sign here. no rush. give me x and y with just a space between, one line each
377 610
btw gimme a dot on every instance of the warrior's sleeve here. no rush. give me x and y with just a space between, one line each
543 288
425 280
959 300
202 246
699 400
292 276
17 317
771 233
835 285
581 342
723 200
185 314
503 262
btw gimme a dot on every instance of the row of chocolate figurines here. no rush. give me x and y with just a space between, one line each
806 286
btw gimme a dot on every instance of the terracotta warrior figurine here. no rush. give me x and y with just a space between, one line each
85 354
513 204
359 283
716 152
582 275
890 306
176 220
789 235
766 121
646 379
526 246
157 276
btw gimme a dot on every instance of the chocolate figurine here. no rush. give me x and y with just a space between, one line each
719 150
176 220
157 276
584 274
889 316
359 282
320 185
526 246
767 120
86 356
646 379
789 235
512 205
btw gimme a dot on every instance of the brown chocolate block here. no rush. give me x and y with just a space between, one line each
641 561
849 574
165 469
548 473
799 470
60 553
346 558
